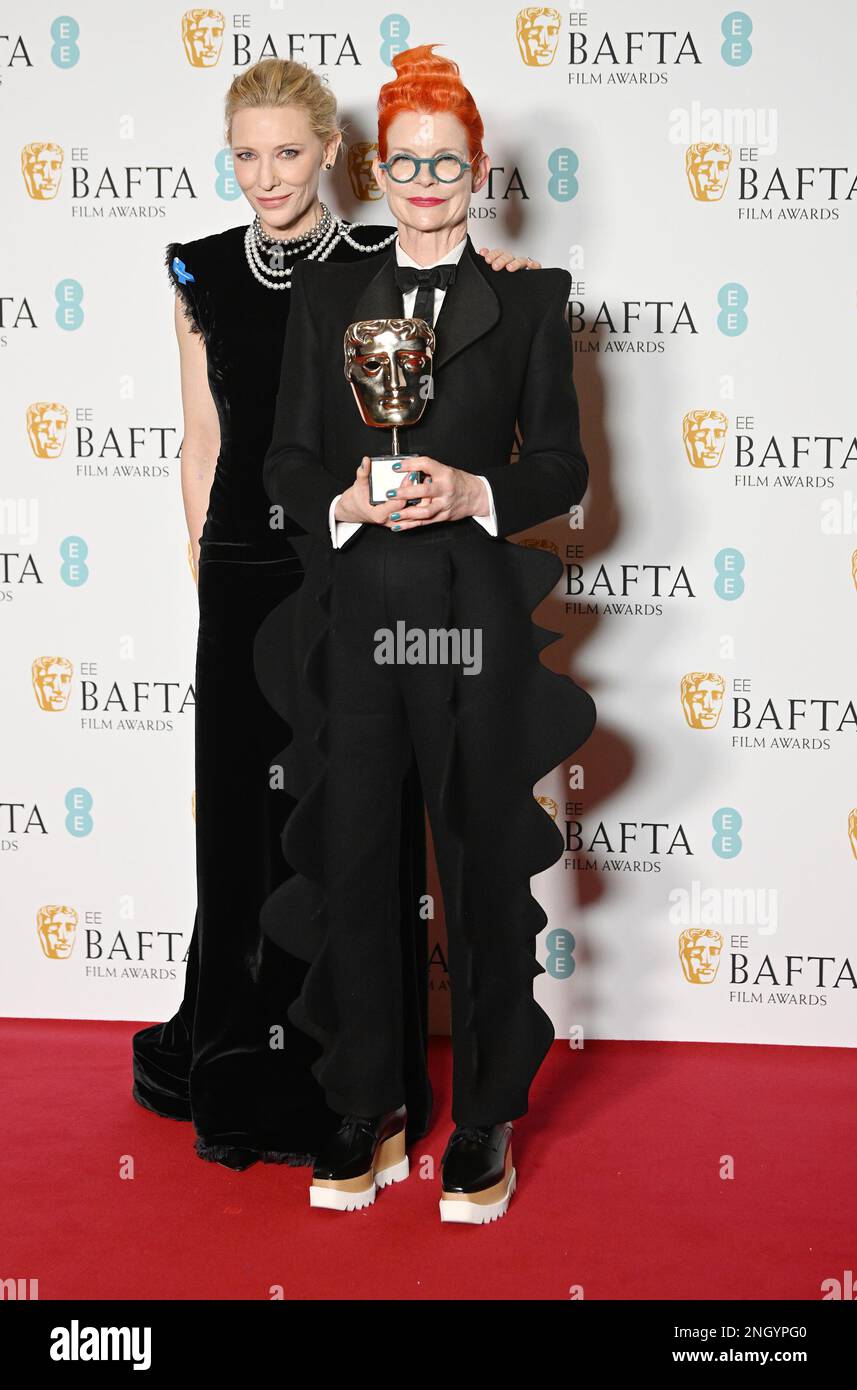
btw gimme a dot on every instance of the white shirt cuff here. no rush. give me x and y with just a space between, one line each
489 521
340 530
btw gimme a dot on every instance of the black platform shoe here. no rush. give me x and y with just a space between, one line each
361 1157
477 1176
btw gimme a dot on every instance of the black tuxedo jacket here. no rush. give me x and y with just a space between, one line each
503 355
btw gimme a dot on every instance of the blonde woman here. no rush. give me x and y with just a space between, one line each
229 1060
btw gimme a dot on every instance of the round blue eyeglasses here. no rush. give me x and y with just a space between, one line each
444 168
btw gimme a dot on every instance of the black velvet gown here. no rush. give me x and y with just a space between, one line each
213 1062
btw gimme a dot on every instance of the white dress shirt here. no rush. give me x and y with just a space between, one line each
340 531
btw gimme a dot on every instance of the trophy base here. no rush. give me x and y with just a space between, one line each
382 477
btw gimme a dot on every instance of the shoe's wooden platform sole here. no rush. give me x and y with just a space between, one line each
353 1194
478 1208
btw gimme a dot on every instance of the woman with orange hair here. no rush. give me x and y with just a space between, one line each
433 558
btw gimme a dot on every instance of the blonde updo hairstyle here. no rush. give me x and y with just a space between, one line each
281 82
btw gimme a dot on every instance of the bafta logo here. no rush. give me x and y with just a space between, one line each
52 681
202 37
854 568
47 424
702 698
852 831
548 804
699 952
361 178
56 926
41 165
704 436
707 170
537 30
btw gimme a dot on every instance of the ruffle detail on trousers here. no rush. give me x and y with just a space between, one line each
550 717
554 717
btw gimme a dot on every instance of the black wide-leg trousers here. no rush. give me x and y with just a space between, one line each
466 732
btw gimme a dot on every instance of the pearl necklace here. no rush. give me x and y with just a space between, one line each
322 238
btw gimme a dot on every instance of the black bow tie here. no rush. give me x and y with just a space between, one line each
436 277
425 280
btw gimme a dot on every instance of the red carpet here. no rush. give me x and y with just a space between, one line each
619 1185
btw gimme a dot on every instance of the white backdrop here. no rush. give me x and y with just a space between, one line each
684 175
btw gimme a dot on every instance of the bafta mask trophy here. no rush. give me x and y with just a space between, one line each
388 363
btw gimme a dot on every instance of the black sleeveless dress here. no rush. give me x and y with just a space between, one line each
229 1060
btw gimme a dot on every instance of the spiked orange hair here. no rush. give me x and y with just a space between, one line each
425 82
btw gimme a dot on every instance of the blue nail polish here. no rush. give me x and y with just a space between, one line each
412 477
396 467
397 528
392 492
394 516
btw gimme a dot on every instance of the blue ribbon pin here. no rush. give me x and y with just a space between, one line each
179 268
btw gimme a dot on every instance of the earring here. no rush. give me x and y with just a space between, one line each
328 166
